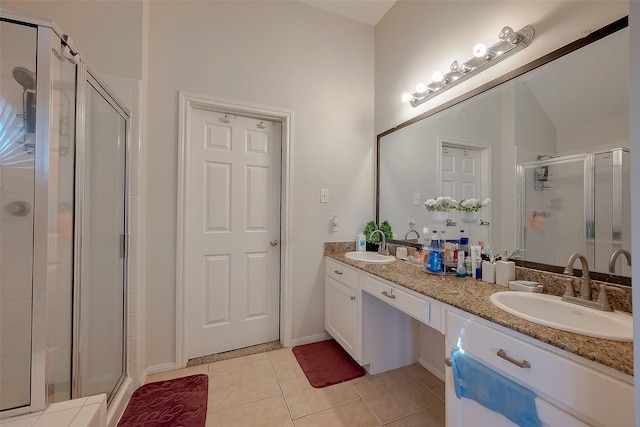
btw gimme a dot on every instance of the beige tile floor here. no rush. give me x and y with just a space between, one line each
269 389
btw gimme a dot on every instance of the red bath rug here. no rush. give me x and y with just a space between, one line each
326 363
181 402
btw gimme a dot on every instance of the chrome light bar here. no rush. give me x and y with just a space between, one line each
510 42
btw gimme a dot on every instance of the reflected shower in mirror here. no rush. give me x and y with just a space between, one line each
572 103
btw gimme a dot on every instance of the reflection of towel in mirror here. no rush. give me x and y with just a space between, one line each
475 381
537 222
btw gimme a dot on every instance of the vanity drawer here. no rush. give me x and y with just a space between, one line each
413 306
597 396
340 272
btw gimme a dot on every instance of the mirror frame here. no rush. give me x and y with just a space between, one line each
558 53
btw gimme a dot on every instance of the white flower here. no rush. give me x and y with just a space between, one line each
471 205
440 204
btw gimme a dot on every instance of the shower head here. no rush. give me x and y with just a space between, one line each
26 78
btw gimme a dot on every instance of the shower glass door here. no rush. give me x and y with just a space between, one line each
100 364
18 46
554 216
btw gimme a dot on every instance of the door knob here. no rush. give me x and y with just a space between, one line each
274 242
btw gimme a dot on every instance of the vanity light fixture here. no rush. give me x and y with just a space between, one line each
483 57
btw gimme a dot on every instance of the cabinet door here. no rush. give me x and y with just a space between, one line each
465 412
341 315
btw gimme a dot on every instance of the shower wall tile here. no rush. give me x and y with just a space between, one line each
134 207
17 180
133 349
134 184
15 340
15 286
133 301
134 255
17 260
14 394
16 233
136 92
121 87
15 313
15 367
134 231
133 324
134 274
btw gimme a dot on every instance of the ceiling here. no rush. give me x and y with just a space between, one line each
367 11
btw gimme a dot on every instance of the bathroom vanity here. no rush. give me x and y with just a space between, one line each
373 312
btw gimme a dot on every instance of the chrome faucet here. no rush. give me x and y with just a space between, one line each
382 248
585 282
614 258
409 232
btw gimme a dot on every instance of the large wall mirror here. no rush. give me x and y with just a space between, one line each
548 144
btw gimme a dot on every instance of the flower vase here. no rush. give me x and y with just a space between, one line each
469 217
440 216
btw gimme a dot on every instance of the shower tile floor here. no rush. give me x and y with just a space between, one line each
269 389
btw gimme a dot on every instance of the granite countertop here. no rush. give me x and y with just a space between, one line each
472 296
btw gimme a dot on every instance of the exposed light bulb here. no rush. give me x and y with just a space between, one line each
509 35
421 88
480 50
437 76
406 97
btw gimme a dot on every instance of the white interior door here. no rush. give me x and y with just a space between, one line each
461 172
233 231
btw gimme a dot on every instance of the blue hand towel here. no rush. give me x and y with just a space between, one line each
475 381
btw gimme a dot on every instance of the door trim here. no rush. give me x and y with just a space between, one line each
187 103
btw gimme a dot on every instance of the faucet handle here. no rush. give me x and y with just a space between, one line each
603 299
568 292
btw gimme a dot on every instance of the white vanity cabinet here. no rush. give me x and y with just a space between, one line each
342 306
590 397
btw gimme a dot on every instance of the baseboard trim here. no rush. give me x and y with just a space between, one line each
310 339
156 369
431 368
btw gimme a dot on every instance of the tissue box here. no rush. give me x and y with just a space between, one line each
505 271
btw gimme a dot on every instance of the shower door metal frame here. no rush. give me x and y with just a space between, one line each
589 220
47 34
589 198
86 77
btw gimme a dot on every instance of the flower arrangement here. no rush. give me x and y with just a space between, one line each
472 205
441 204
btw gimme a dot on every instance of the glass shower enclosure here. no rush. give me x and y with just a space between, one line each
63 188
578 203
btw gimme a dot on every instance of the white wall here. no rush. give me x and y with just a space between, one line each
416 38
107 33
282 54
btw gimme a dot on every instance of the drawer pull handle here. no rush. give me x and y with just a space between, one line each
519 363
389 295
338 272
352 297
447 361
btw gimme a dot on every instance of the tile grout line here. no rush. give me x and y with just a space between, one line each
365 402
281 391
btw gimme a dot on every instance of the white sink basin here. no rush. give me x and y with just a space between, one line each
551 311
370 257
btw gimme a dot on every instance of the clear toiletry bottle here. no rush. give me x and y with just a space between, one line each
460 271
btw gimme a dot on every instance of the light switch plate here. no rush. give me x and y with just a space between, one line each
324 195
416 199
